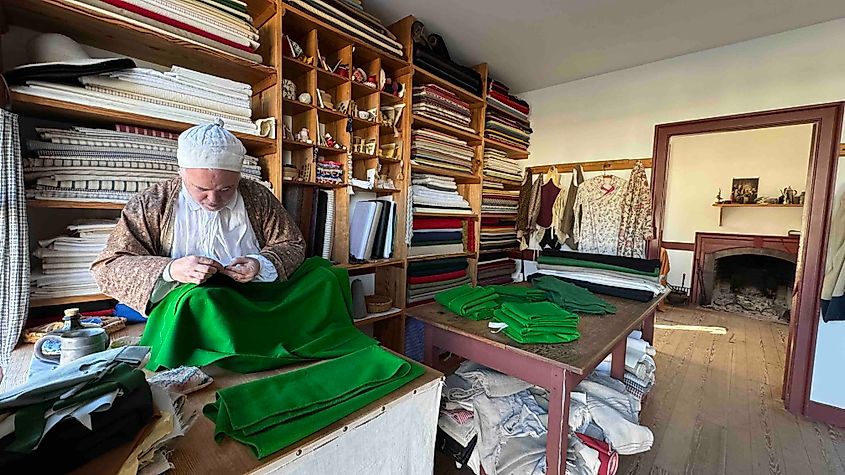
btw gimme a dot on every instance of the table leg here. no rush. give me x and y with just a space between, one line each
648 328
617 362
557 438
429 353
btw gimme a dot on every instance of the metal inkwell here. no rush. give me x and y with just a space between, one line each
74 339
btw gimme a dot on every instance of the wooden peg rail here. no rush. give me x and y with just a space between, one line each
597 166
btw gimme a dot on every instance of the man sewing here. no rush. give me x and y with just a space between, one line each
207 221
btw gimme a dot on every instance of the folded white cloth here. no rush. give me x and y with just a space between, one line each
616 413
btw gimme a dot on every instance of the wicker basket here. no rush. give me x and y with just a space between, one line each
378 303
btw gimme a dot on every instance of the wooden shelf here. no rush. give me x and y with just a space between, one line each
377 317
295 65
441 256
360 90
372 264
509 184
421 76
358 124
390 99
291 107
101 29
329 80
313 183
469 138
755 205
514 153
498 215
49 302
389 160
64 204
330 150
333 114
26 104
363 156
295 144
460 177
376 190
446 215
494 251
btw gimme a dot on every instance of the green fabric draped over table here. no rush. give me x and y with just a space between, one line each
564 261
475 303
537 322
571 297
260 326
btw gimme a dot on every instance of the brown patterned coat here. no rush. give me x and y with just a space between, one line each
138 249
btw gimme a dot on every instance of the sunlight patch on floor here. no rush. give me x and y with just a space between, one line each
695 328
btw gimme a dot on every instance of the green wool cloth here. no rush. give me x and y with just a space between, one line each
571 297
537 322
514 293
255 326
564 261
270 414
261 326
475 303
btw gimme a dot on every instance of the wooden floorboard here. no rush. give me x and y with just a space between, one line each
716 407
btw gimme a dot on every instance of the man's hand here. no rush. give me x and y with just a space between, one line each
194 269
242 269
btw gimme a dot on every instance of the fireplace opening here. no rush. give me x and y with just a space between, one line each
756 284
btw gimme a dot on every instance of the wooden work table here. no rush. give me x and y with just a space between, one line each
557 368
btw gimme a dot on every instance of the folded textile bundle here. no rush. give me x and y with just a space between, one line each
499 201
329 172
498 165
612 275
427 278
180 94
352 20
495 268
571 297
507 120
436 149
498 234
614 414
537 322
434 236
475 303
65 260
437 194
84 164
435 103
431 54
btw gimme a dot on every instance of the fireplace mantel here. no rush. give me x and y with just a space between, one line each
708 244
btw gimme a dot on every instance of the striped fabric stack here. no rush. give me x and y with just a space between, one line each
437 194
495 268
65 260
435 103
507 120
436 149
437 236
427 278
329 172
100 165
496 199
498 165
221 24
498 234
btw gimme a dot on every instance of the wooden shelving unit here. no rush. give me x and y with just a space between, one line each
64 204
724 206
36 303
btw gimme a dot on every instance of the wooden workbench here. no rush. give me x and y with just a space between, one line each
557 368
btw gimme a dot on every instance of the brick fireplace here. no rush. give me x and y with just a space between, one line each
745 273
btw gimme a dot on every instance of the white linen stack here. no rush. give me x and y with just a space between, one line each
436 149
65 260
437 194
498 165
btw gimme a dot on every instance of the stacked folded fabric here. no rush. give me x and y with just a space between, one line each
99 165
329 172
427 278
436 149
437 194
571 297
498 200
474 303
432 55
626 277
437 236
498 233
495 268
498 165
351 18
507 117
537 322
65 260
180 95
433 102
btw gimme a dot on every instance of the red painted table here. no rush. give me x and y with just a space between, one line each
557 368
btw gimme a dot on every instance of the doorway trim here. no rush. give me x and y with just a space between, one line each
821 175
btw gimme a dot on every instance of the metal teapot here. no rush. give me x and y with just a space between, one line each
788 195
76 340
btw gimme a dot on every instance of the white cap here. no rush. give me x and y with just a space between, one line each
210 146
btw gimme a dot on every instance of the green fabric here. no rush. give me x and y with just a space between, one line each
571 297
514 293
30 420
475 303
271 413
564 261
255 326
537 322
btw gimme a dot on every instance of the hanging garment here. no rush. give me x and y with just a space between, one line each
567 220
529 207
833 286
549 192
636 226
14 233
597 208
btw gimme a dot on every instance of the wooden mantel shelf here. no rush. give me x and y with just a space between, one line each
722 206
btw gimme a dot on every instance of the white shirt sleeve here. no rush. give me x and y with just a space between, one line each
268 272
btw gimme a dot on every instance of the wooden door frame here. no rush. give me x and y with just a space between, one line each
821 176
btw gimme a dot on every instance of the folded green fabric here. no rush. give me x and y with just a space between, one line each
255 326
271 413
520 334
564 261
515 293
475 303
571 297
537 322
